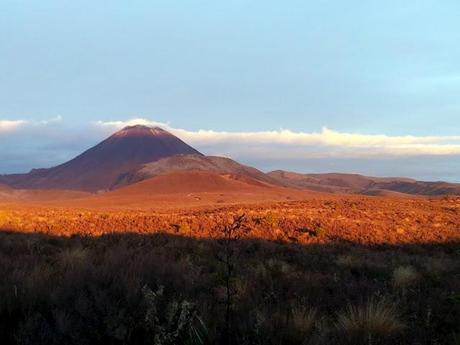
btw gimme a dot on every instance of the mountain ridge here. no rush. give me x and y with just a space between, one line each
361 184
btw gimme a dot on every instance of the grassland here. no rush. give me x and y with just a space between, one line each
327 270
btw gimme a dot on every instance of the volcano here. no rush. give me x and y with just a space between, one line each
102 166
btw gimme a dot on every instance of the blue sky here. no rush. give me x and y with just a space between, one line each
358 68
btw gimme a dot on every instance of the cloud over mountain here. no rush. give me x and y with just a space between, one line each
324 143
432 157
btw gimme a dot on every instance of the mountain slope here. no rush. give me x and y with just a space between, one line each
191 188
219 165
100 167
189 182
4 188
354 183
422 188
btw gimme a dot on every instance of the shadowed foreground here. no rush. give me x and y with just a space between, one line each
168 289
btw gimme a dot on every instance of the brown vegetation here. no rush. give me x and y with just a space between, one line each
330 269
322 218
171 289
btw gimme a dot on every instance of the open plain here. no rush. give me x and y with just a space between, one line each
358 219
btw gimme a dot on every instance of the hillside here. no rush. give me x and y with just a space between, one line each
190 189
354 183
9 195
188 182
219 165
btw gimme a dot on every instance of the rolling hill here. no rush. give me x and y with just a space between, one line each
354 183
192 188
218 165
189 182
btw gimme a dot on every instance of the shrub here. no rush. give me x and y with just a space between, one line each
3 216
347 261
173 322
319 232
185 229
271 219
71 258
404 277
376 319
301 324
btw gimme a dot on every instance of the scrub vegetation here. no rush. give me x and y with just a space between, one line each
336 271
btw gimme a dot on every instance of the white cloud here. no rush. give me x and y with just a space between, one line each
117 125
11 125
324 143
7 126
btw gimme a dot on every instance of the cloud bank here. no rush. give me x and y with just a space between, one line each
326 142
26 144
10 125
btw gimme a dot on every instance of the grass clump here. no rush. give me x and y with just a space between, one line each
404 277
375 319
271 219
73 257
319 232
301 325
347 261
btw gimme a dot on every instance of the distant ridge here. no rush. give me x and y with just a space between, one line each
100 167
359 184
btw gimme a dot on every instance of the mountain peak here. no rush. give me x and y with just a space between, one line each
134 127
141 130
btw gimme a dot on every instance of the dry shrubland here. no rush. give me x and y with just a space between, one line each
364 220
171 289
338 271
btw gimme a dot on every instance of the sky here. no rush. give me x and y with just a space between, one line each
368 87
